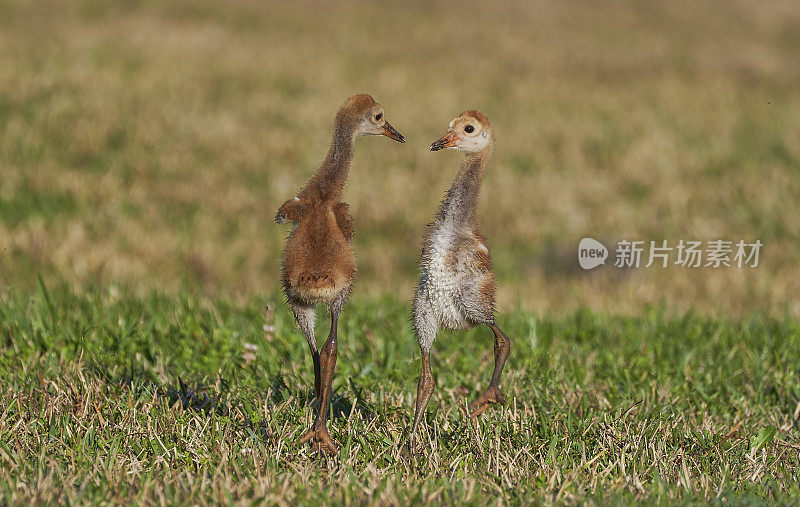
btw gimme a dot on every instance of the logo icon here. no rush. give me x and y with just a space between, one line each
591 253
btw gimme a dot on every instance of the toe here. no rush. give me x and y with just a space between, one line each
327 444
498 396
477 409
492 395
320 440
305 438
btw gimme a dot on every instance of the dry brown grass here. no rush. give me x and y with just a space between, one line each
151 143
143 447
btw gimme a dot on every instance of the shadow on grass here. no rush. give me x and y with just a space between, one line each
218 399
196 396
341 404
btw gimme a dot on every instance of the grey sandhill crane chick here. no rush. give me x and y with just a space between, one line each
456 285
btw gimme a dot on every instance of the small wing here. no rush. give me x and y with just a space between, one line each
292 210
473 255
482 259
344 220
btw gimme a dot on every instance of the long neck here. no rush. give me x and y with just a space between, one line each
328 182
461 201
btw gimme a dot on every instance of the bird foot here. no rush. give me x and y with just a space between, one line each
413 447
320 441
491 395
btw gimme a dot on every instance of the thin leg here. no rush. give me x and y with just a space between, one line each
306 316
424 391
502 346
425 328
318 434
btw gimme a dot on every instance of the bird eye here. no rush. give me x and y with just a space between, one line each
378 116
469 129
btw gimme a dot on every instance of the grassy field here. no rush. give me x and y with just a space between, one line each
146 145
150 143
161 399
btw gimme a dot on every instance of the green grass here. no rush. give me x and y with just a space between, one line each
144 149
112 396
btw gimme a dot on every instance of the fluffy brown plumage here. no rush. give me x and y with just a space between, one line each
318 262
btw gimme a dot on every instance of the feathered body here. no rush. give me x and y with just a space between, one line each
318 263
456 287
456 277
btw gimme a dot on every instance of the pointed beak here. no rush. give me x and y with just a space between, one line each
448 141
391 133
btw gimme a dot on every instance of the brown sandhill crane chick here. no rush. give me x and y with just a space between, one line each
318 261
456 286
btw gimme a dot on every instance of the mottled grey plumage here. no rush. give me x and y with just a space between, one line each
456 287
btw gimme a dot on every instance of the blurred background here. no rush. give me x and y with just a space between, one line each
148 144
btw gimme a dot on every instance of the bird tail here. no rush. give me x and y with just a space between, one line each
315 286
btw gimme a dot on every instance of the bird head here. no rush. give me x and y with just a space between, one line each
368 117
470 132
